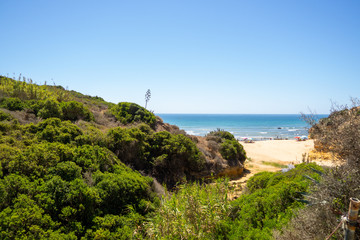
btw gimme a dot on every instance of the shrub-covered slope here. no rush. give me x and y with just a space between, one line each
74 166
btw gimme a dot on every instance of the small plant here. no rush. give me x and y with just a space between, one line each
147 97
274 164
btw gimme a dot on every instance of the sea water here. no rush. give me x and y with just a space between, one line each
256 126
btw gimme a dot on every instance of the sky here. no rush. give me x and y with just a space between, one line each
196 56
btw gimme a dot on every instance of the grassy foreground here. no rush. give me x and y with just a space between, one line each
204 211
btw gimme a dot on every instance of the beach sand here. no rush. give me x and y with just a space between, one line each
270 156
279 151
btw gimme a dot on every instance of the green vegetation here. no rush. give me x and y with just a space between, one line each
229 148
278 165
204 211
62 171
170 158
193 212
69 170
128 113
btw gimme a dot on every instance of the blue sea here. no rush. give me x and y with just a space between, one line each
256 126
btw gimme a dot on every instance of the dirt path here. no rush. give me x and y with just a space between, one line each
270 156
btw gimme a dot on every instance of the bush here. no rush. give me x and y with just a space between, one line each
175 157
270 202
54 130
229 147
232 150
131 146
51 108
74 111
5 116
68 171
221 134
128 113
12 104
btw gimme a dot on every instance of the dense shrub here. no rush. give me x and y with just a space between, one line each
174 157
168 157
222 134
130 113
67 190
5 116
228 146
91 135
12 104
74 111
130 145
54 130
270 202
50 109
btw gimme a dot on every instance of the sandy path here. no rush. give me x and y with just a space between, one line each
263 155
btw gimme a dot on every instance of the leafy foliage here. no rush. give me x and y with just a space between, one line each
269 203
204 211
5 116
170 158
75 111
11 104
52 187
229 147
50 109
193 212
127 113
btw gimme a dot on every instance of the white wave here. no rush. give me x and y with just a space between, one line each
190 132
293 130
263 132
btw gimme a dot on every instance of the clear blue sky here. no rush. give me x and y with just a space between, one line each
196 56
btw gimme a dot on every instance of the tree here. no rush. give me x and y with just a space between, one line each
147 97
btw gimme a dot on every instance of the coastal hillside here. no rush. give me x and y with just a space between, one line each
337 137
74 166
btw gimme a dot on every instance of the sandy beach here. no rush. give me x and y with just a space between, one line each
279 151
271 156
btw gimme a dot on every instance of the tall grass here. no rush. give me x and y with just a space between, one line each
193 212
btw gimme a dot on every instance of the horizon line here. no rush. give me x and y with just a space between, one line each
246 113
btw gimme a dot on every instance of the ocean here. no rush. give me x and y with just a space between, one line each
255 126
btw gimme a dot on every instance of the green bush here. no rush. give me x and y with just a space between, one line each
5 116
68 171
12 104
74 111
54 130
232 150
269 203
91 135
229 147
118 191
130 145
94 158
175 154
128 113
51 109
221 134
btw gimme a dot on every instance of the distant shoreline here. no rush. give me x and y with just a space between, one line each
259 127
